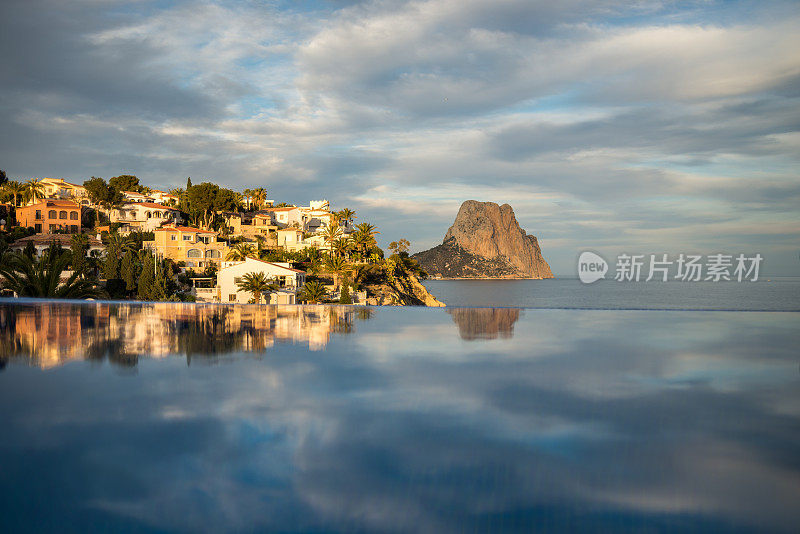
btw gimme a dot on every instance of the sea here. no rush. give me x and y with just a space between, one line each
769 294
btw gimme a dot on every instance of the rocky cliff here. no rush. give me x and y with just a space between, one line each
402 291
485 241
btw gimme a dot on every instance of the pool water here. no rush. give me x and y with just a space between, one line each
184 418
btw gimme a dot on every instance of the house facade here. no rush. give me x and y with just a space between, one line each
51 216
42 242
251 226
288 280
59 189
196 248
162 197
144 216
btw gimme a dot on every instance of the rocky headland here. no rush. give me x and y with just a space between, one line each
485 241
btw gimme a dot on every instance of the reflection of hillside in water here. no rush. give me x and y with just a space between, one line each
49 334
484 323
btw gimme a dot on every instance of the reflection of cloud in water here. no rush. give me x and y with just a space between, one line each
484 323
581 420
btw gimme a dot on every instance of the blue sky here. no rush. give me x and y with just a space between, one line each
643 127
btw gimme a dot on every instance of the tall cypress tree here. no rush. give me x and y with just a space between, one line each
127 271
111 265
79 244
147 278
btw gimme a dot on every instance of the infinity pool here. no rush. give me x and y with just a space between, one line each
181 417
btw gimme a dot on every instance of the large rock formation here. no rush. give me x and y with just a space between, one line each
485 241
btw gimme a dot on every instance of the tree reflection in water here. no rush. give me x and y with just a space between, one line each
45 335
484 323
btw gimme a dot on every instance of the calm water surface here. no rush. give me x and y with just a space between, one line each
177 417
777 294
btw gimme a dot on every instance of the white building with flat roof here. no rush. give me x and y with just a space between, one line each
288 280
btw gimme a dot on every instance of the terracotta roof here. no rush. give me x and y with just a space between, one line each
45 239
280 209
51 202
184 229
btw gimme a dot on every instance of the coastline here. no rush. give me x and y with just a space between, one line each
491 278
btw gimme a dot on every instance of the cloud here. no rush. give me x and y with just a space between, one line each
597 121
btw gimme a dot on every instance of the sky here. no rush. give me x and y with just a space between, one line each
639 127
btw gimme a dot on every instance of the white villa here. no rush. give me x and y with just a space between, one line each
288 280
144 216
162 197
311 219
135 196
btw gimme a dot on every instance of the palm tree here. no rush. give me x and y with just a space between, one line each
347 215
259 195
313 292
341 246
240 252
336 266
239 199
364 236
41 277
247 194
15 189
257 284
119 244
331 234
34 188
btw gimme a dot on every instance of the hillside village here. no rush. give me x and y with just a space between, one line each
120 239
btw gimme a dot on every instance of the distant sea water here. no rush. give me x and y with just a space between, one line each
774 294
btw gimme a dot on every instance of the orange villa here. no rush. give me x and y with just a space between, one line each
50 216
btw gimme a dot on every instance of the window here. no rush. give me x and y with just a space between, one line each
232 297
194 253
173 237
53 228
62 214
187 237
203 239
73 228
52 214
73 215
38 228
212 253
39 215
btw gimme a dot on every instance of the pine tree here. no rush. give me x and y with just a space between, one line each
127 271
147 279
